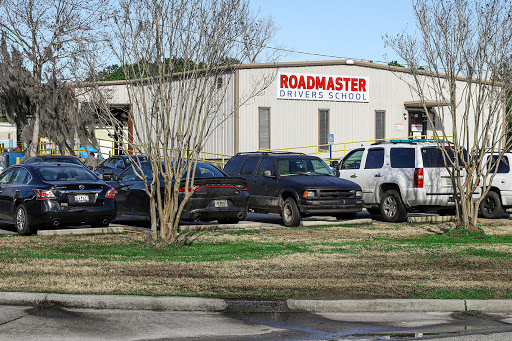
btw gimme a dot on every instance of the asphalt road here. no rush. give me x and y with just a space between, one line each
54 323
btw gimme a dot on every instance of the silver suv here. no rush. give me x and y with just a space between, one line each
400 176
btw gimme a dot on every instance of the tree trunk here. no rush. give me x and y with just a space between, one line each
34 143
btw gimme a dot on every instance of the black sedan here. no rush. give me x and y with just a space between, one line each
55 158
114 165
217 196
60 159
52 194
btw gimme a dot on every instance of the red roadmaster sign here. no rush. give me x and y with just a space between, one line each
323 87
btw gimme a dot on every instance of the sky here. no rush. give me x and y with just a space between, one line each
337 28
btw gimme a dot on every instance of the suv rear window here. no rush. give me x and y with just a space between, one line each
232 164
433 157
403 157
250 165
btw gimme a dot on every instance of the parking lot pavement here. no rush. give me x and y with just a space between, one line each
253 220
7 230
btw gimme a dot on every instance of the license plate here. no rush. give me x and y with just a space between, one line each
81 198
221 203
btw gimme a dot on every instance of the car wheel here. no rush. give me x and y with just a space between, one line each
21 220
290 213
228 221
373 211
491 207
346 216
392 208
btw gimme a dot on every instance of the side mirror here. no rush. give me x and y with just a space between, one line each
335 163
268 174
337 173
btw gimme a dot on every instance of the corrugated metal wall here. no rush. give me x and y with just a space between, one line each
295 123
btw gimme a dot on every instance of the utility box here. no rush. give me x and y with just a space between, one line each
11 158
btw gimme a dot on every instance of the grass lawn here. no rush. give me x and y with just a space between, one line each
350 262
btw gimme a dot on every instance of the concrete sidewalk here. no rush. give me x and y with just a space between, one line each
174 303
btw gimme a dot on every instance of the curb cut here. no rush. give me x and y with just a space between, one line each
177 303
431 219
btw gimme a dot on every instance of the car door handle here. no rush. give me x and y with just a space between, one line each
17 191
503 181
378 175
354 175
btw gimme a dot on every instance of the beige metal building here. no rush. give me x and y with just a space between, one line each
285 105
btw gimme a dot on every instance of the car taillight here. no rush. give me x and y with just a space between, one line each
418 178
42 194
111 193
241 187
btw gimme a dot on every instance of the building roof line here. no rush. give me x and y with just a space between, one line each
348 62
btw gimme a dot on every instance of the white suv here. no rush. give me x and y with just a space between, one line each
499 196
398 177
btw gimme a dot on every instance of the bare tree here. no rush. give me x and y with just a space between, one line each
463 46
178 58
51 36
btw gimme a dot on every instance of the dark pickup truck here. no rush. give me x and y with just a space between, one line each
294 185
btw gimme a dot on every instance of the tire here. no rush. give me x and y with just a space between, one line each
392 208
21 221
373 211
346 216
491 207
290 213
228 221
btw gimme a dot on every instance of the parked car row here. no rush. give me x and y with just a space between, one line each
388 179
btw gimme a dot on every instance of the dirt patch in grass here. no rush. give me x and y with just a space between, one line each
377 261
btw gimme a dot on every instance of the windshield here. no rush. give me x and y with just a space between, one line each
298 166
64 160
62 173
205 170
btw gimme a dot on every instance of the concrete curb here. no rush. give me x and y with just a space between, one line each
310 223
239 226
431 219
94 230
378 305
173 303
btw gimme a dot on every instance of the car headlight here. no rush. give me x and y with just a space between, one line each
359 194
309 194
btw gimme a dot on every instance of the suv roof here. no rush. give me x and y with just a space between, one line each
273 154
411 141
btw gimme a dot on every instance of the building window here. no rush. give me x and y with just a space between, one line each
264 128
323 128
219 82
380 125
